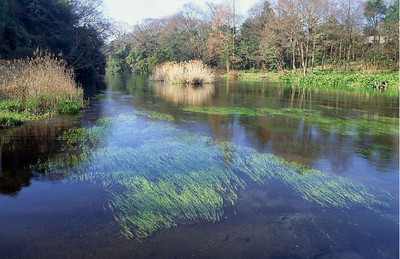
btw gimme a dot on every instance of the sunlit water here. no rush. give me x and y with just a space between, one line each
167 171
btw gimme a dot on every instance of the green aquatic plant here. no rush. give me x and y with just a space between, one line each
157 174
225 110
68 107
369 125
100 96
375 150
343 80
156 115
365 152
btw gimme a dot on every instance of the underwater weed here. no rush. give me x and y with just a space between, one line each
375 125
156 115
176 175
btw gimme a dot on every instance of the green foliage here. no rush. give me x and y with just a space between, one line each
374 10
54 26
69 107
157 175
12 113
117 61
138 61
343 80
393 12
267 41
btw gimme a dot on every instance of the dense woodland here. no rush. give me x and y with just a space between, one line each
288 34
74 29
285 34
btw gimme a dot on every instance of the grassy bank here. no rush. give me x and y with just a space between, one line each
321 79
253 75
35 88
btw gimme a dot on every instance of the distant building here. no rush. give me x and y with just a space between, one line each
371 39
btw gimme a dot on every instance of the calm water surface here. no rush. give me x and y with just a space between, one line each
166 171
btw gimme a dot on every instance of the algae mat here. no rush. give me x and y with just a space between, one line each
157 174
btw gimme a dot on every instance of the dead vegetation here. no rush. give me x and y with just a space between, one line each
193 72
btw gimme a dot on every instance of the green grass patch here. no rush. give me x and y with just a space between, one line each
343 80
12 113
68 107
172 174
253 75
11 119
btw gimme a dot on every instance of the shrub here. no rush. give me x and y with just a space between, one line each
193 72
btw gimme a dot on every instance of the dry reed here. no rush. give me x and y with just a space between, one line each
193 72
41 84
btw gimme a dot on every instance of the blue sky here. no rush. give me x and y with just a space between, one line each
134 11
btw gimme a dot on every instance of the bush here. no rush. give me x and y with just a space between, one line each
193 72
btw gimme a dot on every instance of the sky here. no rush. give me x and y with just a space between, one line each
134 11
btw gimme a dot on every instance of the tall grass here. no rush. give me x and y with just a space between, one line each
193 72
42 85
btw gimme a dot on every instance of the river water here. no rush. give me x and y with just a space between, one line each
237 169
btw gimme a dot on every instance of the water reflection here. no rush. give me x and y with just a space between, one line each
149 172
186 95
295 138
23 146
1 167
316 140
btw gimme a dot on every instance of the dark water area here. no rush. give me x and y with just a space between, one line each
236 170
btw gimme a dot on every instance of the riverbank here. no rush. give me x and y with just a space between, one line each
37 88
322 79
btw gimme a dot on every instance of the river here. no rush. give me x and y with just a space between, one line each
236 169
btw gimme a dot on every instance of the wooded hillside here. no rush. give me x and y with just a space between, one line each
290 34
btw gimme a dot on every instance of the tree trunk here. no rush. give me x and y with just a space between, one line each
227 60
307 54
312 56
293 43
302 58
